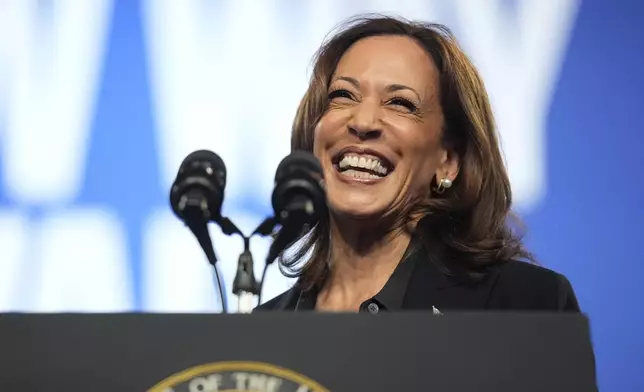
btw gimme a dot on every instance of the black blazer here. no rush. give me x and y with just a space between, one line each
418 283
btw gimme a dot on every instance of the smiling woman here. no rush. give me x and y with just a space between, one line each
419 198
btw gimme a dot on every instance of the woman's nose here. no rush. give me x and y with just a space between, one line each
365 121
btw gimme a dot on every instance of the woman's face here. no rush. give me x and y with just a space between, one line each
379 142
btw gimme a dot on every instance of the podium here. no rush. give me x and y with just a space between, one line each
299 352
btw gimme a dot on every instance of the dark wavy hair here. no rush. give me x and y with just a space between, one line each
470 220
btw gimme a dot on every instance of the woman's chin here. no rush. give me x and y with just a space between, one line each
359 212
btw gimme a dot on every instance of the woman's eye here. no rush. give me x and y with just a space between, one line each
407 104
340 94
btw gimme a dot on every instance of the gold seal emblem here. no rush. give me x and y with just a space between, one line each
237 377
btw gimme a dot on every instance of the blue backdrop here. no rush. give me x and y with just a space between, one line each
100 101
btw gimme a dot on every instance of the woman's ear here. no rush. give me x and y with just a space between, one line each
448 167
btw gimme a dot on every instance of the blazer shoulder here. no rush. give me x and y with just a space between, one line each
522 285
280 302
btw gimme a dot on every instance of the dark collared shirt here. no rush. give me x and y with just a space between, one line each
390 298
419 282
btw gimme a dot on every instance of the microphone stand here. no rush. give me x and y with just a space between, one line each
245 287
229 228
293 221
264 229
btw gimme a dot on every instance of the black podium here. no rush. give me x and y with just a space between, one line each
303 352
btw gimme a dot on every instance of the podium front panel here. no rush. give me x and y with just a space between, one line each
296 352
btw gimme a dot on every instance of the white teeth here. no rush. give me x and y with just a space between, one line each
373 164
359 174
379 168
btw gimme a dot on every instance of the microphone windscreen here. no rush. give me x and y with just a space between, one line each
298 159
204 156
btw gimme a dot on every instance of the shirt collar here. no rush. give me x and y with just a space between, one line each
391 296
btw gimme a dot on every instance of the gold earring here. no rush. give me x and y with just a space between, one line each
443 184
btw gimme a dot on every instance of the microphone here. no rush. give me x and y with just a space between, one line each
196 197
198 191
298 199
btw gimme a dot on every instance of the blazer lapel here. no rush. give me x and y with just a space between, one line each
431 288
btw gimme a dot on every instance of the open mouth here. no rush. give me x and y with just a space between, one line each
362 165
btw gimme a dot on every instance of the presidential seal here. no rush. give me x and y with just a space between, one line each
237 377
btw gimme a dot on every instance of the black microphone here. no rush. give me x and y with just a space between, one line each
196 197
198 191
298 200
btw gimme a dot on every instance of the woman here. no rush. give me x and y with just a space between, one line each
419 199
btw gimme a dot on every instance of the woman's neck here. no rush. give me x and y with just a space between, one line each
362 260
